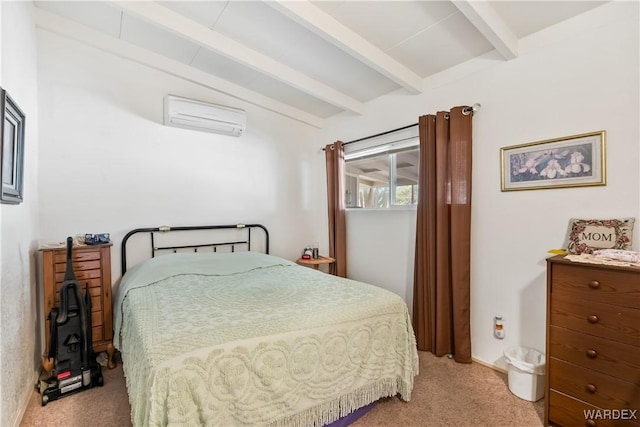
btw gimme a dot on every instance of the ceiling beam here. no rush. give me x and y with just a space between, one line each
491 26
330 29
72 30
223 45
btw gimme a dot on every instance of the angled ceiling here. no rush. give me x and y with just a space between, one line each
307 60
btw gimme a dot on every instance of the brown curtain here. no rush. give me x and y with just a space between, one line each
443 235
335 200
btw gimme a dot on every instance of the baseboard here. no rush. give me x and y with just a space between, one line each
489 365
26 399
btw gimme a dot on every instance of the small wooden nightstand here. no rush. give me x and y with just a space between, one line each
315 262
92 269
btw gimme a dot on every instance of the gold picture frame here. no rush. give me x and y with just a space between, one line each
570 161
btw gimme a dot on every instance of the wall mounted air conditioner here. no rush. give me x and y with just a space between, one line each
202 116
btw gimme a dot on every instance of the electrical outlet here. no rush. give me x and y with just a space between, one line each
498 327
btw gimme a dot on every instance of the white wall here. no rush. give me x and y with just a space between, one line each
109 165
18 223
380 248
577 77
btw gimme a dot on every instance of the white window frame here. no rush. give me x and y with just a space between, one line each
406 139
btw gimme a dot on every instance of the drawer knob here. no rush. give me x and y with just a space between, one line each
591 388
594 284
593 318
592 354
590 423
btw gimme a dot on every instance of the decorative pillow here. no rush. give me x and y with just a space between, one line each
588 235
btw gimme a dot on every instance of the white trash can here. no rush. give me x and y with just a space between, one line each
525 372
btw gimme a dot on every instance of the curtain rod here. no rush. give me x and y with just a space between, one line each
466 111
379 134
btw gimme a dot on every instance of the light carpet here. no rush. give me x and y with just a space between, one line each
446 393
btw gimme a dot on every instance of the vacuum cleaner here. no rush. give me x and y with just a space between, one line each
71 366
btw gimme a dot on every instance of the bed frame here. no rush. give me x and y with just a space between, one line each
213 245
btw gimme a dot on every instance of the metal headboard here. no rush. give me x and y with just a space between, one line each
214 246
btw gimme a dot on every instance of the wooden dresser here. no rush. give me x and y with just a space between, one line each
593 344
92 266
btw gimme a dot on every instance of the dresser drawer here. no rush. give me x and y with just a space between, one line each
81 275
78 266
569 412
609 321
79 254
620 287
598 389
609 357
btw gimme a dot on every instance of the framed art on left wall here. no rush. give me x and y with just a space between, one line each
12 125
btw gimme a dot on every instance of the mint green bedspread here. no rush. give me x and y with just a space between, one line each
251 339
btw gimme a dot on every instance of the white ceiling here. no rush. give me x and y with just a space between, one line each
307 60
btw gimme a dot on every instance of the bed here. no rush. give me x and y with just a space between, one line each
227 335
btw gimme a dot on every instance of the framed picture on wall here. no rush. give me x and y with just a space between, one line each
12 125
570 161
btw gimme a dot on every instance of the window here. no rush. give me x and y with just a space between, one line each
382 176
